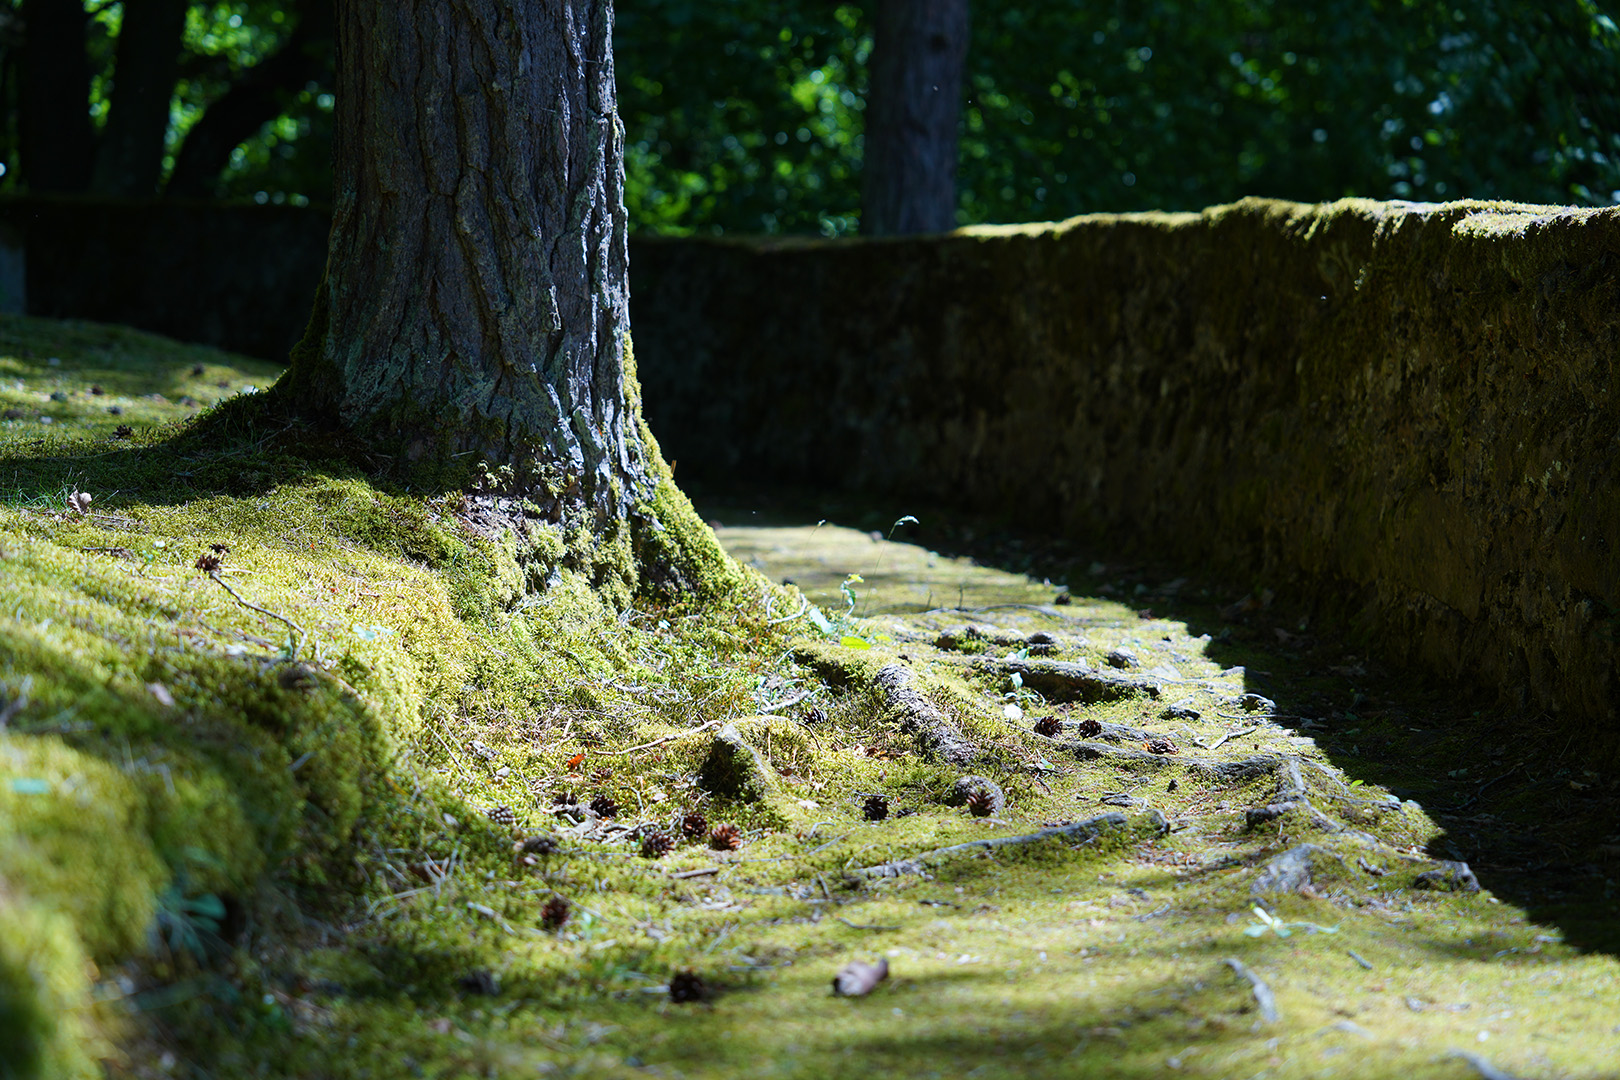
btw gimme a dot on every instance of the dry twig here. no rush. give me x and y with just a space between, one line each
299 630
1262 993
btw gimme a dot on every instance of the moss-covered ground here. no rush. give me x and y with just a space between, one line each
320 809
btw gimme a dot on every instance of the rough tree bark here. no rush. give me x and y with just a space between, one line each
475 307
54 136
908 183
129 163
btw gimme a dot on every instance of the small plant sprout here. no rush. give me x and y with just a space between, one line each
1269 923
906 520
849 592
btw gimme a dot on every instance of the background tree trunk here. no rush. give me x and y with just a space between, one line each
130 161
258 96
56 144
908 182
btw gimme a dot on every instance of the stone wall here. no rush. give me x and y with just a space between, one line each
1404 413
239 277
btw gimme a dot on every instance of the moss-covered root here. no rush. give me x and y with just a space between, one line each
677 554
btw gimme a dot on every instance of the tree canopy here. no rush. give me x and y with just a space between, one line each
748 116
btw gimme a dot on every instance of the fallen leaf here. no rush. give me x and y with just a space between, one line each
858 979
574 762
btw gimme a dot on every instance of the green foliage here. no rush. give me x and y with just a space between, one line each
747 117
741 117
1176 105
221 41
287 160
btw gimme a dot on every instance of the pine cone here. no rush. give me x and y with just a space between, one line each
565 798
603 806
813 715
503 815
207 563
538 844
876 807
123 431
1161 746
655 845
694 825
992 800
725 838
1050 726
554 914
981 803
686 986
1089 729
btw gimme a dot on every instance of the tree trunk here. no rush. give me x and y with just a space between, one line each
56 143
475 307
908 182
257 96
130 161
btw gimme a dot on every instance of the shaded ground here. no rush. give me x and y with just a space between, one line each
1523 807
490 914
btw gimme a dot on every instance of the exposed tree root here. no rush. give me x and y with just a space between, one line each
1289 871
1064 680
1113 732
1292 869
1292 795
1089 829
1486 1070
1232 771
936 734
1228 771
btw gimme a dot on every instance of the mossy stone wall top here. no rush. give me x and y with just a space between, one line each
1406 413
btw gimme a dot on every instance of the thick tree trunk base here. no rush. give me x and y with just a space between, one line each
661 549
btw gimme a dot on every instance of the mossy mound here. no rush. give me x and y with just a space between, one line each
362 798
217 647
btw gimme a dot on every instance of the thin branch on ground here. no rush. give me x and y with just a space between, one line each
294 627
662 740
1083 831
785 703
1262 993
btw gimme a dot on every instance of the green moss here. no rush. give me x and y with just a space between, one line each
78 830
45 1002
342 804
